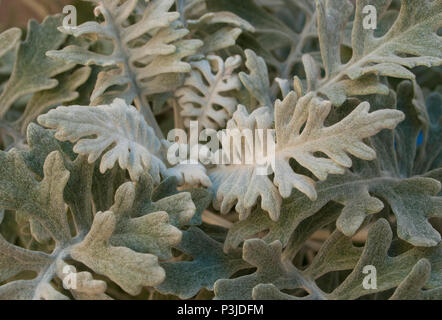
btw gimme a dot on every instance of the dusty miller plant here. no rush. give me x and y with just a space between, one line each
91 208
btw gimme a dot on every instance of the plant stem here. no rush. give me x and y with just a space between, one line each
143 105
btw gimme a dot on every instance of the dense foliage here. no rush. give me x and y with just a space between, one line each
91 206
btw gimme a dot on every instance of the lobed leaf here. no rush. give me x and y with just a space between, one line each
135 145
129 269
33 70
209 104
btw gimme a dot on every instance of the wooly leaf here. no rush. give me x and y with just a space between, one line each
337 253
280 38
243 184
143 66
135 145
122 134
413 199
218 30
131 261
186 278
308 191
411 287
129 269
20 191
143 225
66 91
33 70
208 104
414 33
270 269
8 40
429 154
257 82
